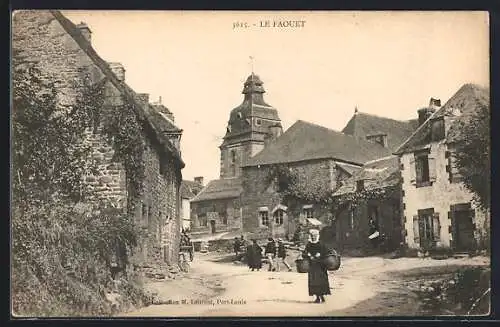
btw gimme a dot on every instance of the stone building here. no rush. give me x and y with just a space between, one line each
251 125
324 159
189 189
351 228
438 211
64 54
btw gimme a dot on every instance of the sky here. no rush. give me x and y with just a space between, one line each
384 63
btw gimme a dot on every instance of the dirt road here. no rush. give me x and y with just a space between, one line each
361 287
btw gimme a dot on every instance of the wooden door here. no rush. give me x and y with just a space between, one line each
464 230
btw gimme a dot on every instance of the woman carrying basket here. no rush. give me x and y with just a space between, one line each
315 252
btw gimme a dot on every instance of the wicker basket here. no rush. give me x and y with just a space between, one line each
302 265
332 262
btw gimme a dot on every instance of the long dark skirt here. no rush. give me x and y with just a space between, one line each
318 279
254 259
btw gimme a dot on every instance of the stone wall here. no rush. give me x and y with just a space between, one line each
225 212
440 196
259 196
39 39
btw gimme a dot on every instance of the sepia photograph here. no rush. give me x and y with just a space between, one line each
250 164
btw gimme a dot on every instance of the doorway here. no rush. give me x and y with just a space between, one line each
212 226
463 227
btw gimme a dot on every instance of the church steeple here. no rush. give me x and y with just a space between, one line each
251 125
253 89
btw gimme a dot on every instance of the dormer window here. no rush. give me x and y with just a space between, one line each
239 115
378 138
228 129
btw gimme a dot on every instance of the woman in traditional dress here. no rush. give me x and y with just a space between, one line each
254 256
318 283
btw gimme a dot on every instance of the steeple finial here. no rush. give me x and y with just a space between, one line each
251 63
355 109
159 100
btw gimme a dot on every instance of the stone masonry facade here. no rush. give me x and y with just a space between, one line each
258 197
225 212
39 39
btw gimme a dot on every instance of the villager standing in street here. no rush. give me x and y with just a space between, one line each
282 255
236 246
315 252
254 256
271 253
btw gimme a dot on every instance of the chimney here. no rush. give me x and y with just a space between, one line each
85 30
434 103
424 114
118 70
199 180
143 98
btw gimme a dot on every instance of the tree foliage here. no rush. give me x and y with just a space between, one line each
473 153
61 248
296 189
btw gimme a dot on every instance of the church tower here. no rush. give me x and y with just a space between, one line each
251 126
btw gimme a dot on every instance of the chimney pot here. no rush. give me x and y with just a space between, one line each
118 70
85 30
199 180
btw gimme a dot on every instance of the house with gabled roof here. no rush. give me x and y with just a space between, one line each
438 211
322 157
64 54
189 189
368 202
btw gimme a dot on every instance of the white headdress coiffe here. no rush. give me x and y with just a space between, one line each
313 232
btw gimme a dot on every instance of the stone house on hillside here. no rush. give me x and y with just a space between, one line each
189 189
251 125
64 54
438 211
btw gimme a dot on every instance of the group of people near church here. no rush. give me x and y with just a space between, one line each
275 252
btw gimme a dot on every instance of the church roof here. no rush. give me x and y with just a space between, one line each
362 125
145 113
220 189
465 100
308 141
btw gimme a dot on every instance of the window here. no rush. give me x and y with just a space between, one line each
426 228
239 114
202 219
360 185
422 169
309 212
258 122
437 132
278 217
228 129
454 172
264 218
233 157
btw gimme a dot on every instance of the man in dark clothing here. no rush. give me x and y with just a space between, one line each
271 253
236 247
282 255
